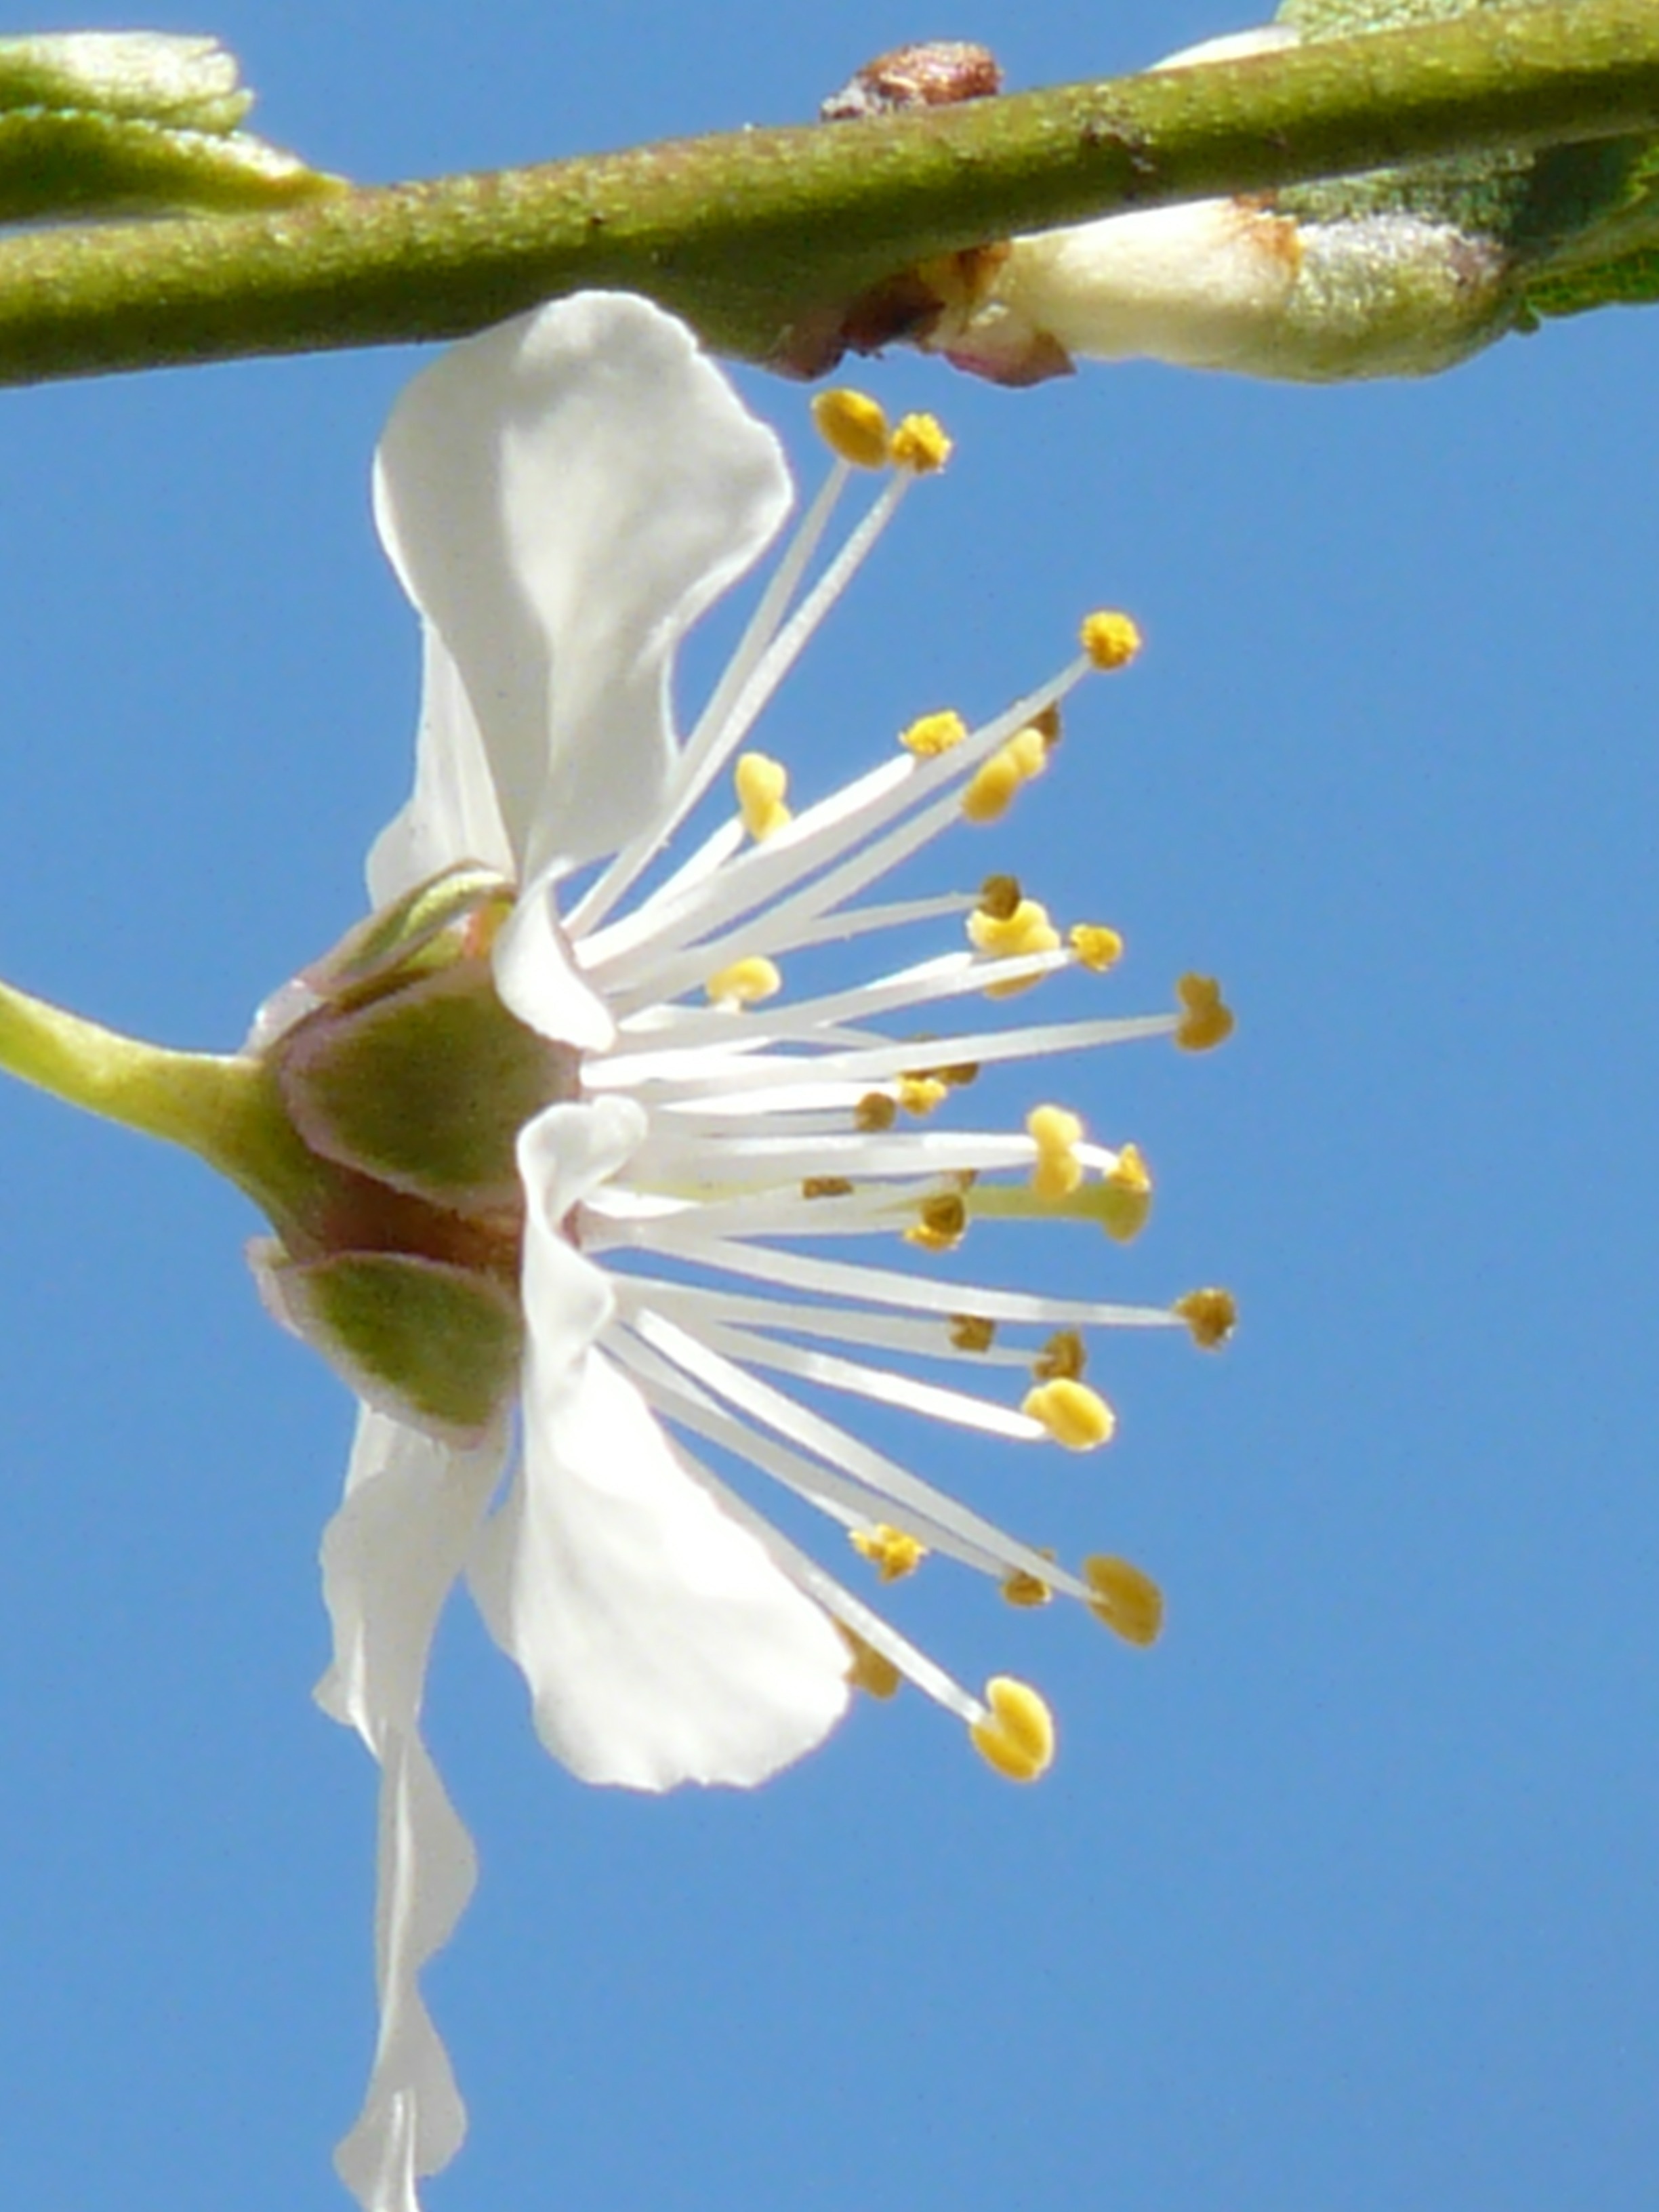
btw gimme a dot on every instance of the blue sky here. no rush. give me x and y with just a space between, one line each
1343 1897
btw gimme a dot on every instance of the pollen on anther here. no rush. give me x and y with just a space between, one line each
920 1094
1056 1133
826 1187
921 445
1212 1314
871 1671
943 1223
761 784
1206 1020
1073 1414
854 425
1129 1601
1111 640
890 1552
1017 1736
875 1112
1063 1357
1127 1196
1023 1589
999 897
1096 948
930 735
745 981
972 1333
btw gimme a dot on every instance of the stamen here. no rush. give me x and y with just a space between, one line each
890 1551
1212 1314
1127 1196
999 897
920 1094
1056 1133
930 735
1017 1736
1026 1590
874 1113
854 425
991 790
826 1187
1206 1020
1110 639
920 444
1095 948
1073 1414
972 1333
1129 1602
744 983
943 1225
1062 1359
761 785
871 1671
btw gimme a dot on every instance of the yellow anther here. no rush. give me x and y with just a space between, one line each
1110 639
1127 1196
890 1552
920 444
930 735
991 788
1206 1020
1129 1602
874 1112
1056 1172
959 1075
761 784
1029 750
999 897
1017 1736
972 1333
1211 1314
1026 929
1062 1359
943 1223
920 1094
745 981
1073 1414
826 1187
1021 1589
854 427
871 1671
1096 947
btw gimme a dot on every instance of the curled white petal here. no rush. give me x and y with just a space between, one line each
390 1556
451 815
561 497
660 1643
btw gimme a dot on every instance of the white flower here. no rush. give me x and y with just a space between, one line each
561 498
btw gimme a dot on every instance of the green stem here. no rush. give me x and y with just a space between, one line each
762 237
223 1109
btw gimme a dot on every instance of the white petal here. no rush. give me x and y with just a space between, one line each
561 497
661 1643
389 1556
451 815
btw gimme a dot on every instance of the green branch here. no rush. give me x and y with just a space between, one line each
762 238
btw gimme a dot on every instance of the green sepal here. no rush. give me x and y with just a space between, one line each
436 1345
408 936
426 1088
